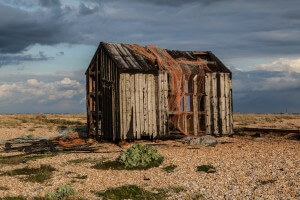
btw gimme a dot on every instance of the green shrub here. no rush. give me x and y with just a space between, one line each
23 158
264 182
206 168
137 157
13 198
62 192
129 192
169 168
143 156
4 188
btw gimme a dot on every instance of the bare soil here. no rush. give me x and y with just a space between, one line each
247 167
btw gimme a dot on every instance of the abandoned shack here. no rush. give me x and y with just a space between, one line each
136 92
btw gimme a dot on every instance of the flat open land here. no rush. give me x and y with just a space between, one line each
246 167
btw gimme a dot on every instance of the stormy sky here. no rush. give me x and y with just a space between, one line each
46 45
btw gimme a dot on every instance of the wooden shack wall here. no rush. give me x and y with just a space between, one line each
218 103
143 105
101 90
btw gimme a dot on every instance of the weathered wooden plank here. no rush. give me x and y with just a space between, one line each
153 102
230 104
184 82
222 103
88 97
114 128
121 90
215 104
165 100
195 105
208 103
128 103
162 106
141 96
227 112
132 109
145 106
97 99
156 106
137 106
149 105
159 103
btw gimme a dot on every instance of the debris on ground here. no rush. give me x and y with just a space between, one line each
292 136
206 140
73 141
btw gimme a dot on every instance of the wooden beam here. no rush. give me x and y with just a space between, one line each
97 98
195 105
214 104
208 103
222 103
185 122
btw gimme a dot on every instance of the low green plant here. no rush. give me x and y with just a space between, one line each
4 188
171 189
81 176
39 175
206 168
110 164
87 160
137 157
264 182
169 168
141 156
22 158
24 120
61 193
133 192
29 136
197 196
13 198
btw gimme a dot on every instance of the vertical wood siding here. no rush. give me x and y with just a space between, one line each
101 92
143 105
218 103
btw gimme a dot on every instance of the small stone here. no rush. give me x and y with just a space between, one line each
38 188
206 140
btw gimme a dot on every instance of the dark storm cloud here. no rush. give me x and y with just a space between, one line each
176 2
50 3
11 59
263 91
233 29
84 10
61 53
228 27
20 29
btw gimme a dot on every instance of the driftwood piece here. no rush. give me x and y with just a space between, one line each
44 146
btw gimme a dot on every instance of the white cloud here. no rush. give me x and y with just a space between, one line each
40 92
281 74
269 87
282 64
